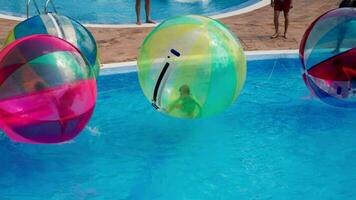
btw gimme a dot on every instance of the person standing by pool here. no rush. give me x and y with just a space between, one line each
285 6
147 8
347 3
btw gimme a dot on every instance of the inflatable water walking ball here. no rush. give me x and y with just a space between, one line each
46 92
328 55
62 27
191 67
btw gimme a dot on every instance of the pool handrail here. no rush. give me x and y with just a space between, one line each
53 6
28 8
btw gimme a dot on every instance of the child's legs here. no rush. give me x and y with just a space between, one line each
276 20
286 22
138 10
147 7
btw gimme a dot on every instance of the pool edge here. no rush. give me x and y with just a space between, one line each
239 11
127 67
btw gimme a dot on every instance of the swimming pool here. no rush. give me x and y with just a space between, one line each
123 11
274 143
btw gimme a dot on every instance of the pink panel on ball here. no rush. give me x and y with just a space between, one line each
339 68
51 115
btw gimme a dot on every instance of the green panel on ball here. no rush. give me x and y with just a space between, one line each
62 27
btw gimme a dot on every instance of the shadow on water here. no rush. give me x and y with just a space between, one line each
162 142
16 162
308 117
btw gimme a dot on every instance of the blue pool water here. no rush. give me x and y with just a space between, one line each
123 11
274 143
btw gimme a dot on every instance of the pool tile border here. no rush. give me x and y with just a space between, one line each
127 67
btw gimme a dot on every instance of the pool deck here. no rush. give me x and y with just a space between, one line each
253 28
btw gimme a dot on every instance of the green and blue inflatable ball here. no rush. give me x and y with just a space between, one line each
191 67
62 27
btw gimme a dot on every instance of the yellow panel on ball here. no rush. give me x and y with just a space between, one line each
191 67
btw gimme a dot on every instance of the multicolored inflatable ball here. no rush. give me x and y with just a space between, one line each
46 92
191 67
328 55
62 27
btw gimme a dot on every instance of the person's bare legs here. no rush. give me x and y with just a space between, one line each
148 12
276 24
138 12
286 24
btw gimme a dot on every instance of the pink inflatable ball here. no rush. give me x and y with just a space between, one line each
46 92
328 56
